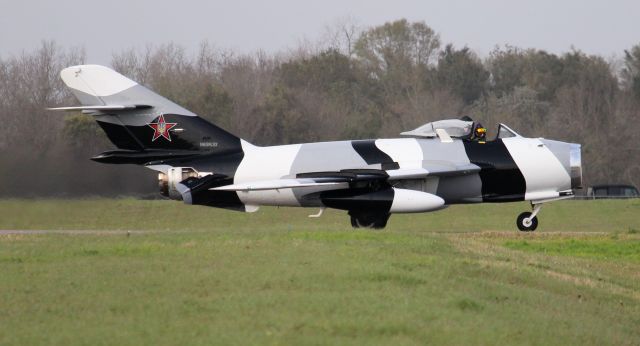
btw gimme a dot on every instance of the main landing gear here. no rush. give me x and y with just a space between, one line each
528 222
369 219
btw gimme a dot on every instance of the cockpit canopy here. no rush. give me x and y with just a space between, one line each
455 128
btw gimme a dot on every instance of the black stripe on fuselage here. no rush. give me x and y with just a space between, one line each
119 136
371 154
502 180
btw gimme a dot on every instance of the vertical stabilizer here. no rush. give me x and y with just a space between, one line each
136 118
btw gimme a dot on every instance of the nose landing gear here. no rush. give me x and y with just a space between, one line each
528 222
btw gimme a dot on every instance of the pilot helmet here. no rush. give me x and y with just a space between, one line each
481 131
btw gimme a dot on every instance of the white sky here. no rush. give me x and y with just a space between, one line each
107 26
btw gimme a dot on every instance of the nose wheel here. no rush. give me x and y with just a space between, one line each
528 222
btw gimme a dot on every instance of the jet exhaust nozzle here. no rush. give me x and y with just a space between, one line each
168 183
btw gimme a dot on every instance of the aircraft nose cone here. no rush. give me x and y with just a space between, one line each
570 156
575 165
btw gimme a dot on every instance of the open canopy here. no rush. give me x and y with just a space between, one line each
455 128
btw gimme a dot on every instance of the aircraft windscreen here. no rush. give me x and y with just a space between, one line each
505 132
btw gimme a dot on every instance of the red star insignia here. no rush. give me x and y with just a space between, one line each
161 129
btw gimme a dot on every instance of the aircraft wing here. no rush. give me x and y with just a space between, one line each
341 179
277 184
428 169
433 169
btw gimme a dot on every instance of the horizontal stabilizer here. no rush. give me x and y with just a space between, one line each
141 157
100 108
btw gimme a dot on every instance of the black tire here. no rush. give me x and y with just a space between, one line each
527 228
354 222
373 220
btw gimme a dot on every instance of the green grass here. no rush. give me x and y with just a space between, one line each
191 275
161 215
602 248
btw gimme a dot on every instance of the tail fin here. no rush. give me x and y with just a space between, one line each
135 118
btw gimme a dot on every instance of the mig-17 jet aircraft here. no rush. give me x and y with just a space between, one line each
436 165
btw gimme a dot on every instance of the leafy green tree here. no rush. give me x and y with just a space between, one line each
506 67
213 102
398 53
330 71
283 120
536 69
81 131
392 44
462 73
398 59
590 84
543 73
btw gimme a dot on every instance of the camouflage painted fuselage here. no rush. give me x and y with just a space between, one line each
506 169
203 164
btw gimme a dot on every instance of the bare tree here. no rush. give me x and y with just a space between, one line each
342 35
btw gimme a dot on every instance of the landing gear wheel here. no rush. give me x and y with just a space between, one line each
354 222
369 220
526 223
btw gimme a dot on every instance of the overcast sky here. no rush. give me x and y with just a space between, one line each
107 26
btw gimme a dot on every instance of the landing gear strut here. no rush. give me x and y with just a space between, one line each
369 219
528 222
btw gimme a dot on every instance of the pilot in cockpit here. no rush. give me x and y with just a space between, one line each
479 133
464 128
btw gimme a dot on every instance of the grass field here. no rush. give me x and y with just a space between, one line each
159 272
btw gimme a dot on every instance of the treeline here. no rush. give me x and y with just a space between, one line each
357 83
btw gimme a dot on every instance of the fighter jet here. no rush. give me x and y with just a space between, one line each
434 166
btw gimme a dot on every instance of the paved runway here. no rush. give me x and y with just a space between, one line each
73 232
